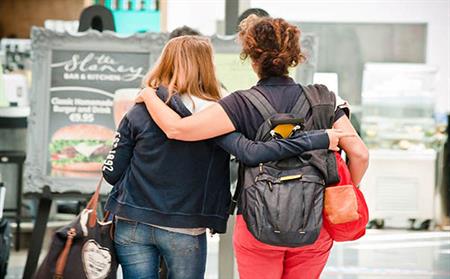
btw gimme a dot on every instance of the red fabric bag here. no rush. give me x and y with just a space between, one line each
345 212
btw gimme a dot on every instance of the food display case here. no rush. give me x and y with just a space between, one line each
399 128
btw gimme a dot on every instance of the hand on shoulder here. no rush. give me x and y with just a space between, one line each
335 135
144 93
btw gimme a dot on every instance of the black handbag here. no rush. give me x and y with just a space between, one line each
84 249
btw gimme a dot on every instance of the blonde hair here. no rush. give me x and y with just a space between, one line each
186 66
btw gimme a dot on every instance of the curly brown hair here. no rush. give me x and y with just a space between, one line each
273 44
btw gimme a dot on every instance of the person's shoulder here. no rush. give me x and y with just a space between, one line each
319 89
319 94
238 94
322 92
343 105
138 114
137 110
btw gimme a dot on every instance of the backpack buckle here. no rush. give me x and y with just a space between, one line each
291 177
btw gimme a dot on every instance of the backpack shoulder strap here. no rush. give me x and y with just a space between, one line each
237 191
266 110
318 94
302 106
256 97
322 102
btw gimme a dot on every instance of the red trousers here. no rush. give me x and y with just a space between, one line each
257 260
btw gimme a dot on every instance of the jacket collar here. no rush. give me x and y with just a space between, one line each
175 102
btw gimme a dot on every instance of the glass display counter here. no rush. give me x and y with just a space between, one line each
399 127
398 107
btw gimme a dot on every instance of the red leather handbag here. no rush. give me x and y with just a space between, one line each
345 212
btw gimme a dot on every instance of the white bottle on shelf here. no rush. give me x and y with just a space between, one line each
3 102
2 197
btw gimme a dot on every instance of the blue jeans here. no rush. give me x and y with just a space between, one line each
139 247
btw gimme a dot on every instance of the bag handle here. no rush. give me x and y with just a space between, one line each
237 191
93 203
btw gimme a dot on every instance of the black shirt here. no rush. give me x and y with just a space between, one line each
281 92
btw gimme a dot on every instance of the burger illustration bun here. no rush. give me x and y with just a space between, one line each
80 147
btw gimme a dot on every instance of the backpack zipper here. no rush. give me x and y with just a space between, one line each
310 206
302 229
277 225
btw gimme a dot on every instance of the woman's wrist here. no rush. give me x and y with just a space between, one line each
319 139
148 94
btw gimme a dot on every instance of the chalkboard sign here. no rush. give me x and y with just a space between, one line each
83 84
235 74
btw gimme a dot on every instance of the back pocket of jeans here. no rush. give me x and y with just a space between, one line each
125 231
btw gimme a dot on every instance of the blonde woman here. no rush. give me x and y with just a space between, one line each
167 192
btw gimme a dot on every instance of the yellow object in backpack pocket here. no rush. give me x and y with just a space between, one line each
284 130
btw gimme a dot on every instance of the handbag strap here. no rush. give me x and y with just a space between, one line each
61 262
71 233
93 203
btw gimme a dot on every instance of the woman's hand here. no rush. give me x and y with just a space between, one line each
334 135
140 97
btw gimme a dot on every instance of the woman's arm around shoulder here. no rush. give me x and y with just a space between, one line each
208 123
251 153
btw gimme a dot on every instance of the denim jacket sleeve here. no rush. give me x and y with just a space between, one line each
119 157
251 153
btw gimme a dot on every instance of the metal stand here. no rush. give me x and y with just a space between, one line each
45 202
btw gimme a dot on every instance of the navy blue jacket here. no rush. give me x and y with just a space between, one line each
179 184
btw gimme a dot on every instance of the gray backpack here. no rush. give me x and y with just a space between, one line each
282 201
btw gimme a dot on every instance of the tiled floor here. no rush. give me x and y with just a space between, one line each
392 254
381 254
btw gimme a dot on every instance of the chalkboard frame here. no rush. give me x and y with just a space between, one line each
309 46
44 41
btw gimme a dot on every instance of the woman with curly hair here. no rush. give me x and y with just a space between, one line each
273 46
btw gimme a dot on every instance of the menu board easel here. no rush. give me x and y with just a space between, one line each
82 86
